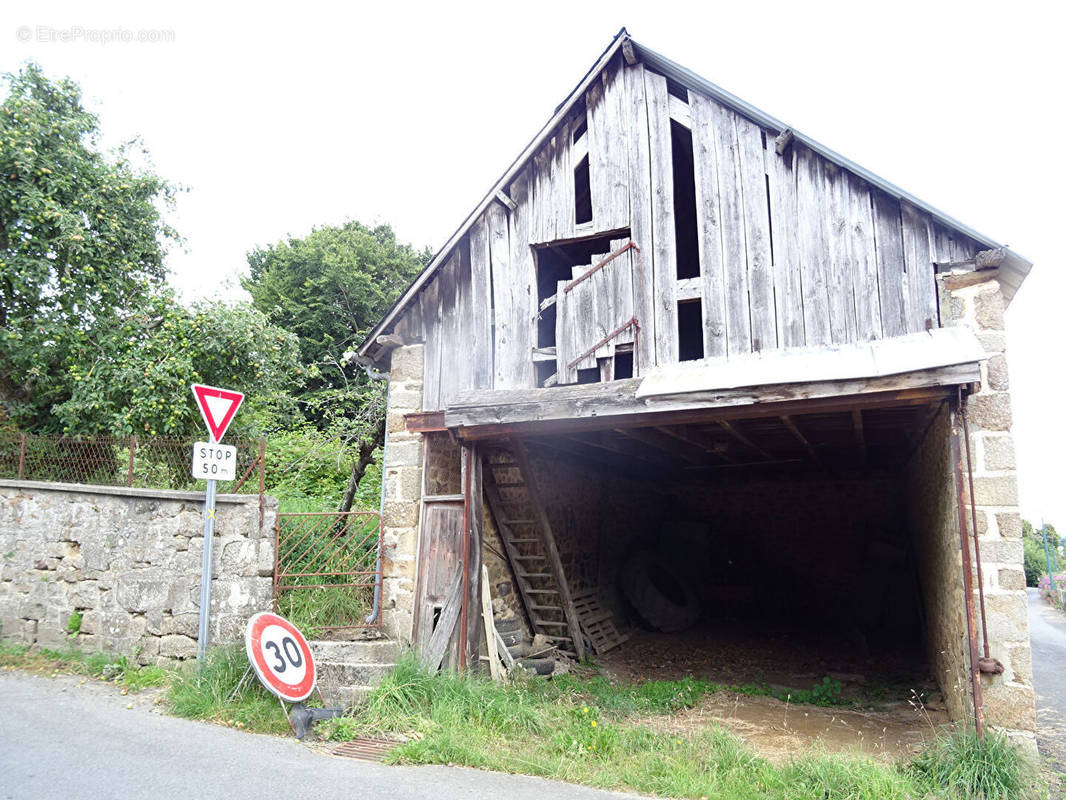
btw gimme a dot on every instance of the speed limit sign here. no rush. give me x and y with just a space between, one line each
280 656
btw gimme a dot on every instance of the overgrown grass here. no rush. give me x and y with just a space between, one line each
969 767
104 666
590 731
205 694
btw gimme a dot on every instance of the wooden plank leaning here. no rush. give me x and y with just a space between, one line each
433 653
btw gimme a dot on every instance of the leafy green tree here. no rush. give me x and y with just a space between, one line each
135 377
329 288
81 236
1034 555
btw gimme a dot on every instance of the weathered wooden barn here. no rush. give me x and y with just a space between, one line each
684 374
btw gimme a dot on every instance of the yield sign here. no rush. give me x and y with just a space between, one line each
217 407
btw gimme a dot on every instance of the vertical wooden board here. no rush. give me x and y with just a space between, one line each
451 349
480 305
562 186
564 347
516 288
788 286
862 261
608 149
734 258
943 243
619 287
433 319
640 212
439 551
664 250
540 193
472 558
813 247
756 235
891 277
708 224
918 261
841 295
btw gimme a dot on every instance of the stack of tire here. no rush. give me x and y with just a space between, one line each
520 645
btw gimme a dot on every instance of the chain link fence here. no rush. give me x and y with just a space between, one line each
144 462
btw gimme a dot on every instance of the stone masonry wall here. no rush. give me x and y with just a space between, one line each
1009 698
128 561
934 525
403 492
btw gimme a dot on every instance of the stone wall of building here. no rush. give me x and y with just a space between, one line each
1009 698
932 510
403 493
128 562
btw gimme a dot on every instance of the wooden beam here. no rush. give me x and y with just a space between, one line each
653 437
783 142
740 437
598 406
507 201
424 422
597 439
628 53
696 438
787 420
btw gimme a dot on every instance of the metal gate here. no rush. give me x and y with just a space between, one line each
327 569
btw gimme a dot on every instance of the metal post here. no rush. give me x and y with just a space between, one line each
967 582
1047 555
262 477
205 569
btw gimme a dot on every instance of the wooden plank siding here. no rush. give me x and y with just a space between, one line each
793 250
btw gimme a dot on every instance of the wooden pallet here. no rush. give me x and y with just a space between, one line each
516 506
597 624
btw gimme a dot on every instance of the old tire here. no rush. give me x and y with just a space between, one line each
509 624
541 666
660 593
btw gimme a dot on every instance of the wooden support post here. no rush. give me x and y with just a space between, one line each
22 455
129 472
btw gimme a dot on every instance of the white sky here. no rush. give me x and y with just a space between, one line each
279 117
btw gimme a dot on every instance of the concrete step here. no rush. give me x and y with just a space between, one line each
377 651
343 696
352 674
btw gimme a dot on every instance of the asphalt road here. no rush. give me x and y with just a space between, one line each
1047 631
65 738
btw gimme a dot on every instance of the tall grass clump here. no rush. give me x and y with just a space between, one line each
963 766
204 694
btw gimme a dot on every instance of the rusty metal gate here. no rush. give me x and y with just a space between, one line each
327 569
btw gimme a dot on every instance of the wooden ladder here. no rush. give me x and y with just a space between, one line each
516 505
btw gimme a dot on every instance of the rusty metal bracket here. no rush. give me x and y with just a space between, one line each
613 334
581 278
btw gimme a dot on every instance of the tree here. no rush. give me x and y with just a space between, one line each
135 378
1035 557
81 237
330 288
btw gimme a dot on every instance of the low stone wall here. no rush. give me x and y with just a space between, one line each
128 561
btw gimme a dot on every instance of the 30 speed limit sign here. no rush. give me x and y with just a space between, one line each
280 656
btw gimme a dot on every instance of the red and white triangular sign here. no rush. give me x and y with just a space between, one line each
217 406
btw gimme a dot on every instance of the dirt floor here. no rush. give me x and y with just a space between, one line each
895 705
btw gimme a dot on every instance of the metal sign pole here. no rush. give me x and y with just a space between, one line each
205 570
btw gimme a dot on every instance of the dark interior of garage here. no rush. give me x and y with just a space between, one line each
774 550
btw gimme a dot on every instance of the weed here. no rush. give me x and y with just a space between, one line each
964 766
204 694
105 666
74 623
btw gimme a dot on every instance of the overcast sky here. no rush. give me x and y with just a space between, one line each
280 117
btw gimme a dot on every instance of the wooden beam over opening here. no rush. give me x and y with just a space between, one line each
744 440
800 438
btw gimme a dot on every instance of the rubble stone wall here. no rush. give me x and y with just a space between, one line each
128 562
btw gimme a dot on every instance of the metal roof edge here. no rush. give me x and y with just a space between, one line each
1016 266
1019 266
440 257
